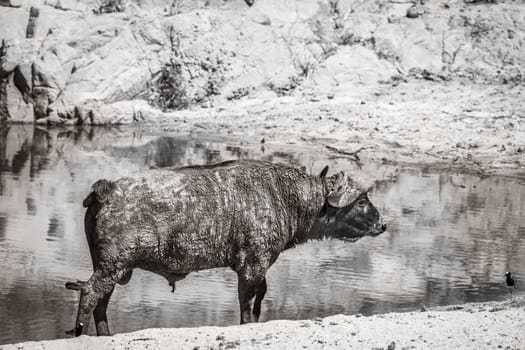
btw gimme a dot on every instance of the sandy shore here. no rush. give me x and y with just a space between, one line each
488 325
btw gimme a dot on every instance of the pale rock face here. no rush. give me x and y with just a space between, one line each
13 23
410 44
360 27
279 12
356 64
287 12
400 10
227 50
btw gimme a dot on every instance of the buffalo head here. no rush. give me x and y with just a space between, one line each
347 213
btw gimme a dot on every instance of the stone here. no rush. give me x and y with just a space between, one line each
40 102
34 12
19 109
22 80
260 18
355 64
412 12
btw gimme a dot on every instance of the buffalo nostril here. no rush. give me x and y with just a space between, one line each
383 227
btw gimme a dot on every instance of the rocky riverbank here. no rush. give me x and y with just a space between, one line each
470 326
125 61
470 127
443 87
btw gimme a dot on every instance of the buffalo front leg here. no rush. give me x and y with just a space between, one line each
95 293
260 292
249 288
251 264
246 292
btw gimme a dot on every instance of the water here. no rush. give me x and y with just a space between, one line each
450 238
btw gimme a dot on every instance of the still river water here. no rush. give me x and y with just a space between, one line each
450 237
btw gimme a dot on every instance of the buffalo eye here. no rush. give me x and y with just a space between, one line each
361 202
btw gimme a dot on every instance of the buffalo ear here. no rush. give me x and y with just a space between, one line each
334 198
335 195
323 172
103 189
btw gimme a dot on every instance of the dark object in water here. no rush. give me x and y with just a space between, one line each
237 214
511 283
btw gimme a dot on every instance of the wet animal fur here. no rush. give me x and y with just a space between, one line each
240 214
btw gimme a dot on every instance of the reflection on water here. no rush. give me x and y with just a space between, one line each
451 237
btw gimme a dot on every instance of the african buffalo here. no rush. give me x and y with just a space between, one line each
238 214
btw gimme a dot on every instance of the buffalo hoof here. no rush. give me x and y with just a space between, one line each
75 285
76 331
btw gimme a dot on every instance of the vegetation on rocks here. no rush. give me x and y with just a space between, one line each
110 6
171 87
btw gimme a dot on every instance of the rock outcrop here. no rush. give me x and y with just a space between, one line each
75 62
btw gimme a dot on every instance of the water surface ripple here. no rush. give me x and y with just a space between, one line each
451 237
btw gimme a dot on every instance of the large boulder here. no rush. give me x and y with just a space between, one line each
352 67
410 44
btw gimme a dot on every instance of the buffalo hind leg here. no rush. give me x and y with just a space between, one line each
99 314
95 293
260 292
